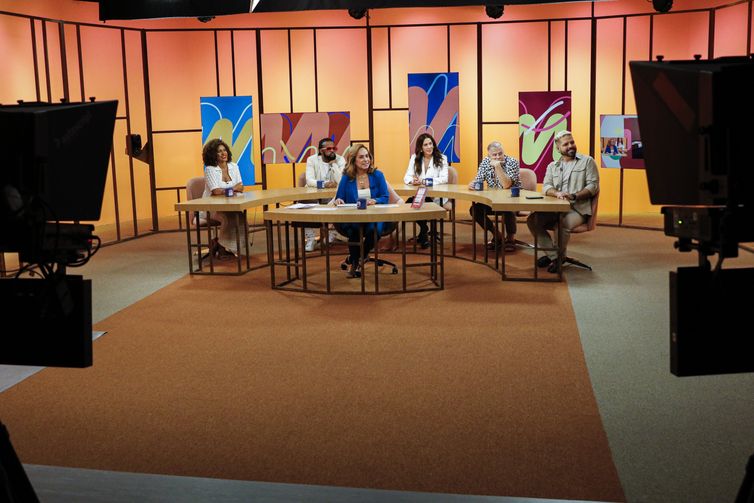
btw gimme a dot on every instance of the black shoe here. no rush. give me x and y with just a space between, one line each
544 261
493 245
553 268
422 241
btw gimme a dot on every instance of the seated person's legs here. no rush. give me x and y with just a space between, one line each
480 214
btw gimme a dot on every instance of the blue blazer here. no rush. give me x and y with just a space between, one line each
349 192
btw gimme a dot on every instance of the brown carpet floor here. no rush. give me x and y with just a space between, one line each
480 389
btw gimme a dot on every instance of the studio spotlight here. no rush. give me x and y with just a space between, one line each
357 13
662 5
494 11
205 19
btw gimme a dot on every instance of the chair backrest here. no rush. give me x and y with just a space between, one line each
452 175
195 187
528 179
301 180
592 222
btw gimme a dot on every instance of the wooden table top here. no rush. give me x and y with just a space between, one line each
497 199
374 213
253 198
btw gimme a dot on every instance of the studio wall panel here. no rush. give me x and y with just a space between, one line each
514 59
181 70
608 98
276 79
680 36
54 61
557 55
463 48
225 63
390 144
420 49
731 24
102 59
380 68
16 49
579 68
346 89
637 31
303 70
247 84
72 63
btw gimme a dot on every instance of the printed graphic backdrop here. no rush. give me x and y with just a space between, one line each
541 114
229 118
293 137
624 130
433 109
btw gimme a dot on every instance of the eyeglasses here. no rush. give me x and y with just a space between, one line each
330 149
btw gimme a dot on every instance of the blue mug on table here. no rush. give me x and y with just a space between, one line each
428 182
515 191
478 185
320 184
229 192
361 204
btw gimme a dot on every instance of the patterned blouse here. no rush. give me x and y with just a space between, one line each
486 172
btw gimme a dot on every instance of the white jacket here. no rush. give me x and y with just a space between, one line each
439 175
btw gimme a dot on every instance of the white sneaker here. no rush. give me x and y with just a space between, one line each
332 236
311 244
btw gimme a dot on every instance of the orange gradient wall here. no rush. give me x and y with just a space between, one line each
315 66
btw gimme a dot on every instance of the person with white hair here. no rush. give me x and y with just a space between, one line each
573 177
500 172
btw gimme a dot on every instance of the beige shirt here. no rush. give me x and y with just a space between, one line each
582 175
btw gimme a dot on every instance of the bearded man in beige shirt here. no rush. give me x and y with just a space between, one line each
573 177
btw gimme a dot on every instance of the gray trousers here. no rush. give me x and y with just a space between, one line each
541 222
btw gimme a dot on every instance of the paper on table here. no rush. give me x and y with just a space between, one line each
325 208
387 205
301 206
347 205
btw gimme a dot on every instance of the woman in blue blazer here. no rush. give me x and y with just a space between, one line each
362 180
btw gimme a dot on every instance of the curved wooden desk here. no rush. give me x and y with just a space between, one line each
241 203
498 200
376 213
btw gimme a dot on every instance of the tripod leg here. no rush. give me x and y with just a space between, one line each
14 484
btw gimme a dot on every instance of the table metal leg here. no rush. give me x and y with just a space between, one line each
403 253
188 242
327 263
270 251
303 257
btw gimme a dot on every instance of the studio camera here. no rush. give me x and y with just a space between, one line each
699 165
52 177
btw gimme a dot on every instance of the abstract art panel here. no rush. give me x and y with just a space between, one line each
620 142
541 114
230 119
293 137
433 109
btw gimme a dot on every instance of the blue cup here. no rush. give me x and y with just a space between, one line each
361 204
320 184
229 192
478 185
515 191
428 182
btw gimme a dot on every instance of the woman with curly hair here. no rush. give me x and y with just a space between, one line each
221 174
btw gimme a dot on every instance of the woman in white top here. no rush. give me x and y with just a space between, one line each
426 162
221 174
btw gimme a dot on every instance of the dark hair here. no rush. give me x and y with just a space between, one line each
419 153
322 142
209 152
350 169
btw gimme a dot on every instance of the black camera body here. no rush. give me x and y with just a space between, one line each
698 162
54 176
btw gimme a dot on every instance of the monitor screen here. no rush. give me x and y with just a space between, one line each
58 154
